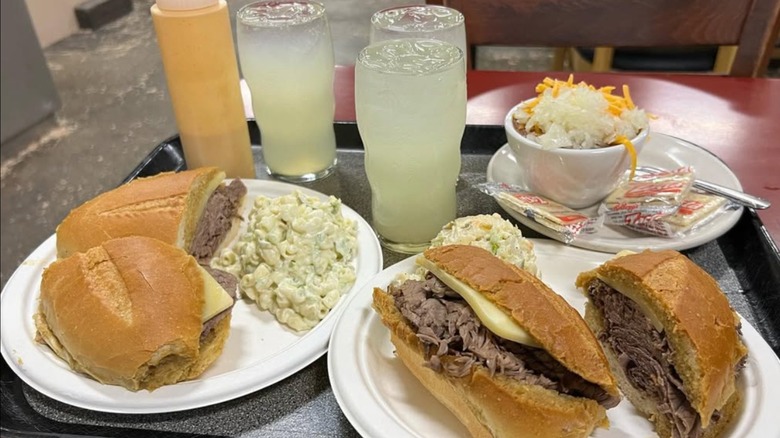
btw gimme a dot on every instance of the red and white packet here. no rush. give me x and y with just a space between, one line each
647 197
559 218
696 210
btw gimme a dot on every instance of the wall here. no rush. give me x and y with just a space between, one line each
53 20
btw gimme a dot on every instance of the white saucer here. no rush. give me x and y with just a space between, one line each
662 151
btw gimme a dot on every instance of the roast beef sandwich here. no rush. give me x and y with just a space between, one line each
502 351
194 210
671 338
134 312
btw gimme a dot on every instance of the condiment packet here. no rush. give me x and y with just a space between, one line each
561 219
648 197
696 210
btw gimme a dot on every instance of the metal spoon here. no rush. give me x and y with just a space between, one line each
735 196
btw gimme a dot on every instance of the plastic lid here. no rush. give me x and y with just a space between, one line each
185 5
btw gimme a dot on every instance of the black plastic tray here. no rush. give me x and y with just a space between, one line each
745 261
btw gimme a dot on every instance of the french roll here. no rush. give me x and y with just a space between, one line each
134 312
193 209
496 346
671 337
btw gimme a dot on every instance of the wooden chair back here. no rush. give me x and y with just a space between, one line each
748 27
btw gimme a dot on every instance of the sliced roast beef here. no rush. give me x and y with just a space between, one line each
229 283
217 219
455 341
644 353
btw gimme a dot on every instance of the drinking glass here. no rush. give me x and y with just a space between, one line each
286 57
410 102
420 21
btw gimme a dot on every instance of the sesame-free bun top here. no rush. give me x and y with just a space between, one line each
545 315
694 313
166 206
128 312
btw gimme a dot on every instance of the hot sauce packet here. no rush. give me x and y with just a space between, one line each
561 219
696 210
648 197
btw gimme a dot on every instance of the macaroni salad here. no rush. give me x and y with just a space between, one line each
296 257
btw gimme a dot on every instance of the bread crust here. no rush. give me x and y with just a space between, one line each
553 323
128 313
491 406
695 314
662 424
166 206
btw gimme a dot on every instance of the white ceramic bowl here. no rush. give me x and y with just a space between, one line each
576 178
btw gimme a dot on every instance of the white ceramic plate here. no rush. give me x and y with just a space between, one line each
381 398
661 151
258 353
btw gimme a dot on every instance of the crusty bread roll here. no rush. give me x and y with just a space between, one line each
497 405
684 309
129 312
166 206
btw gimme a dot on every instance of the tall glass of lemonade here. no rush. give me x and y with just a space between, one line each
410 100
286 57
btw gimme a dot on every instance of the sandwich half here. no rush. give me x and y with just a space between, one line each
502 351
671 338
135 312
193 210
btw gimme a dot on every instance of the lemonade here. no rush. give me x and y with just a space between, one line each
410 99
287 61
420 21
295 116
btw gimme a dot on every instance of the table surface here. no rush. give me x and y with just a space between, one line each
737 119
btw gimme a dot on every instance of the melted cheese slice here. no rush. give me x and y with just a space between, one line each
215 299
491 316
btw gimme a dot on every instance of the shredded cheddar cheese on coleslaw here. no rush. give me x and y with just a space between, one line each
579 116
631 153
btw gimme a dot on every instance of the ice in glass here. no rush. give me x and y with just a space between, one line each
420 21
